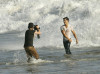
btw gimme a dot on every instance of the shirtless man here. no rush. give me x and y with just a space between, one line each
66 29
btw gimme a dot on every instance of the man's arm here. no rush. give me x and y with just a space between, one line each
63 32
37 32
38 28
75 36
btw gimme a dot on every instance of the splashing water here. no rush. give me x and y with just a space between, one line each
84 16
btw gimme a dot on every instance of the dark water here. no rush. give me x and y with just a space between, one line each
82 61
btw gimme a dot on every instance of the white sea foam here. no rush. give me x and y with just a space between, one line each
65 60
32 61
84 16
40 61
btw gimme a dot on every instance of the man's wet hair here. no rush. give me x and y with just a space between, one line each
66 18
30 25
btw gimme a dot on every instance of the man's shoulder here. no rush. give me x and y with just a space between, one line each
30 30
62 27
26 30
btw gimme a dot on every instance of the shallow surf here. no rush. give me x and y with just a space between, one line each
52 61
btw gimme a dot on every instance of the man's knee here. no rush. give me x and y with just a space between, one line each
37 56
34 52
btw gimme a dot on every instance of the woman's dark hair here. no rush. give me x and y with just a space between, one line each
66 18
30 25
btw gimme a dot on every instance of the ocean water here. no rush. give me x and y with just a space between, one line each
84 16
52 61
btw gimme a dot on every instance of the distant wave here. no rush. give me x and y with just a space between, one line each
84 16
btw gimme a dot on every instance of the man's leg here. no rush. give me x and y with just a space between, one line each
67 47
29 55
34 52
